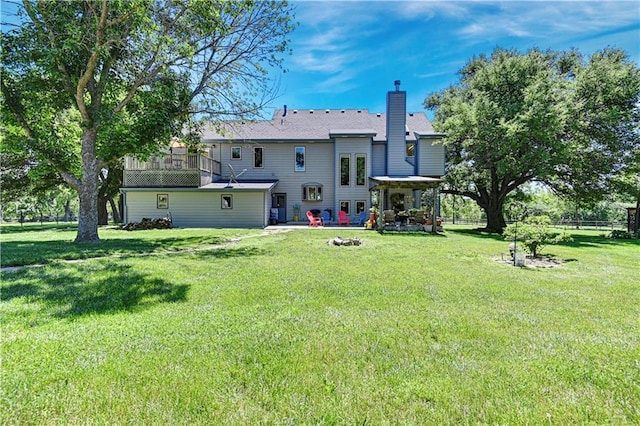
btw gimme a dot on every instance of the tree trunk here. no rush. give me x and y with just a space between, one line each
493 210
495 221
67 211
88 189
103 215
636 224
114 211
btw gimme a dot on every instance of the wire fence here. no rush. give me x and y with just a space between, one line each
564 224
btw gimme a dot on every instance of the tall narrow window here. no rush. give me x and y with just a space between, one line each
345 176
361 169
257 157
300 159
345 206
360 206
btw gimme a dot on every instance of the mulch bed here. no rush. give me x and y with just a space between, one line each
531 262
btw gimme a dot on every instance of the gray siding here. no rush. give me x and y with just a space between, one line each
352 193
396 135
198 208
379 161
278 161
431 157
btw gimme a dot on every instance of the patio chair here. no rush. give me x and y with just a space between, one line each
326 218
343 218
313 221
363 218
389 216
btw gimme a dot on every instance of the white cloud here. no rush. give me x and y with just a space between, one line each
550 20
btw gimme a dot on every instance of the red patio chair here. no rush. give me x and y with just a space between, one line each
343 218
313 221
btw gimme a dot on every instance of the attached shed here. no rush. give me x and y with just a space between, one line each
216 205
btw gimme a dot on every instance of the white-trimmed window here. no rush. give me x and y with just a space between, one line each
410 149
345 206
361 169
360 206
300 159
226 201
258 157
345 169
312 191
236 153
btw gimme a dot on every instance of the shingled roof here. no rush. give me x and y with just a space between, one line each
317 125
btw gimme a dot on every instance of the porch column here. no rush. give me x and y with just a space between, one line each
381 209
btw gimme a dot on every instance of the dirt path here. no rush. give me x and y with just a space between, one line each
231 242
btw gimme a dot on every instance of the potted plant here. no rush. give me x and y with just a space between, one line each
296 212
373 211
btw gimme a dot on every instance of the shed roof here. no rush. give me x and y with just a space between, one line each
317 125
240 186
413 182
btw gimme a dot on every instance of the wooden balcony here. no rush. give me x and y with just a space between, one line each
172 170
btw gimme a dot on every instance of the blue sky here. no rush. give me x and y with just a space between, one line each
347 54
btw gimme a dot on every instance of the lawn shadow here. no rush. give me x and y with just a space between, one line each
478 233
581 240
104 286
228 252
13 228
19 253
413 234
77 290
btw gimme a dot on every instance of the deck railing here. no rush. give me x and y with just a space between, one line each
171 170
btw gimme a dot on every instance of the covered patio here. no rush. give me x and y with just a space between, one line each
401 205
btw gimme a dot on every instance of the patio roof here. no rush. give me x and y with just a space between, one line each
410 182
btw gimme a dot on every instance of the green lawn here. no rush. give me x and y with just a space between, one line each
285 329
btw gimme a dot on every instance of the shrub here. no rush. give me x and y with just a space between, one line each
618 234
534 233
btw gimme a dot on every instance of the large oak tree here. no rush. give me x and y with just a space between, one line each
548 116
135 71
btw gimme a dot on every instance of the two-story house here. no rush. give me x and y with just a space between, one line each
299 160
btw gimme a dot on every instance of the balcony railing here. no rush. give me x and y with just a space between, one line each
173 170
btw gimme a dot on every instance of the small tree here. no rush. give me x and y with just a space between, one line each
534 234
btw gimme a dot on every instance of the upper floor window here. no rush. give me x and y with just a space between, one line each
345 175
300 159
258 157
236 152
361 169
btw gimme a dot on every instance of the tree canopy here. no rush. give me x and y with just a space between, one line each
552 117
127 75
